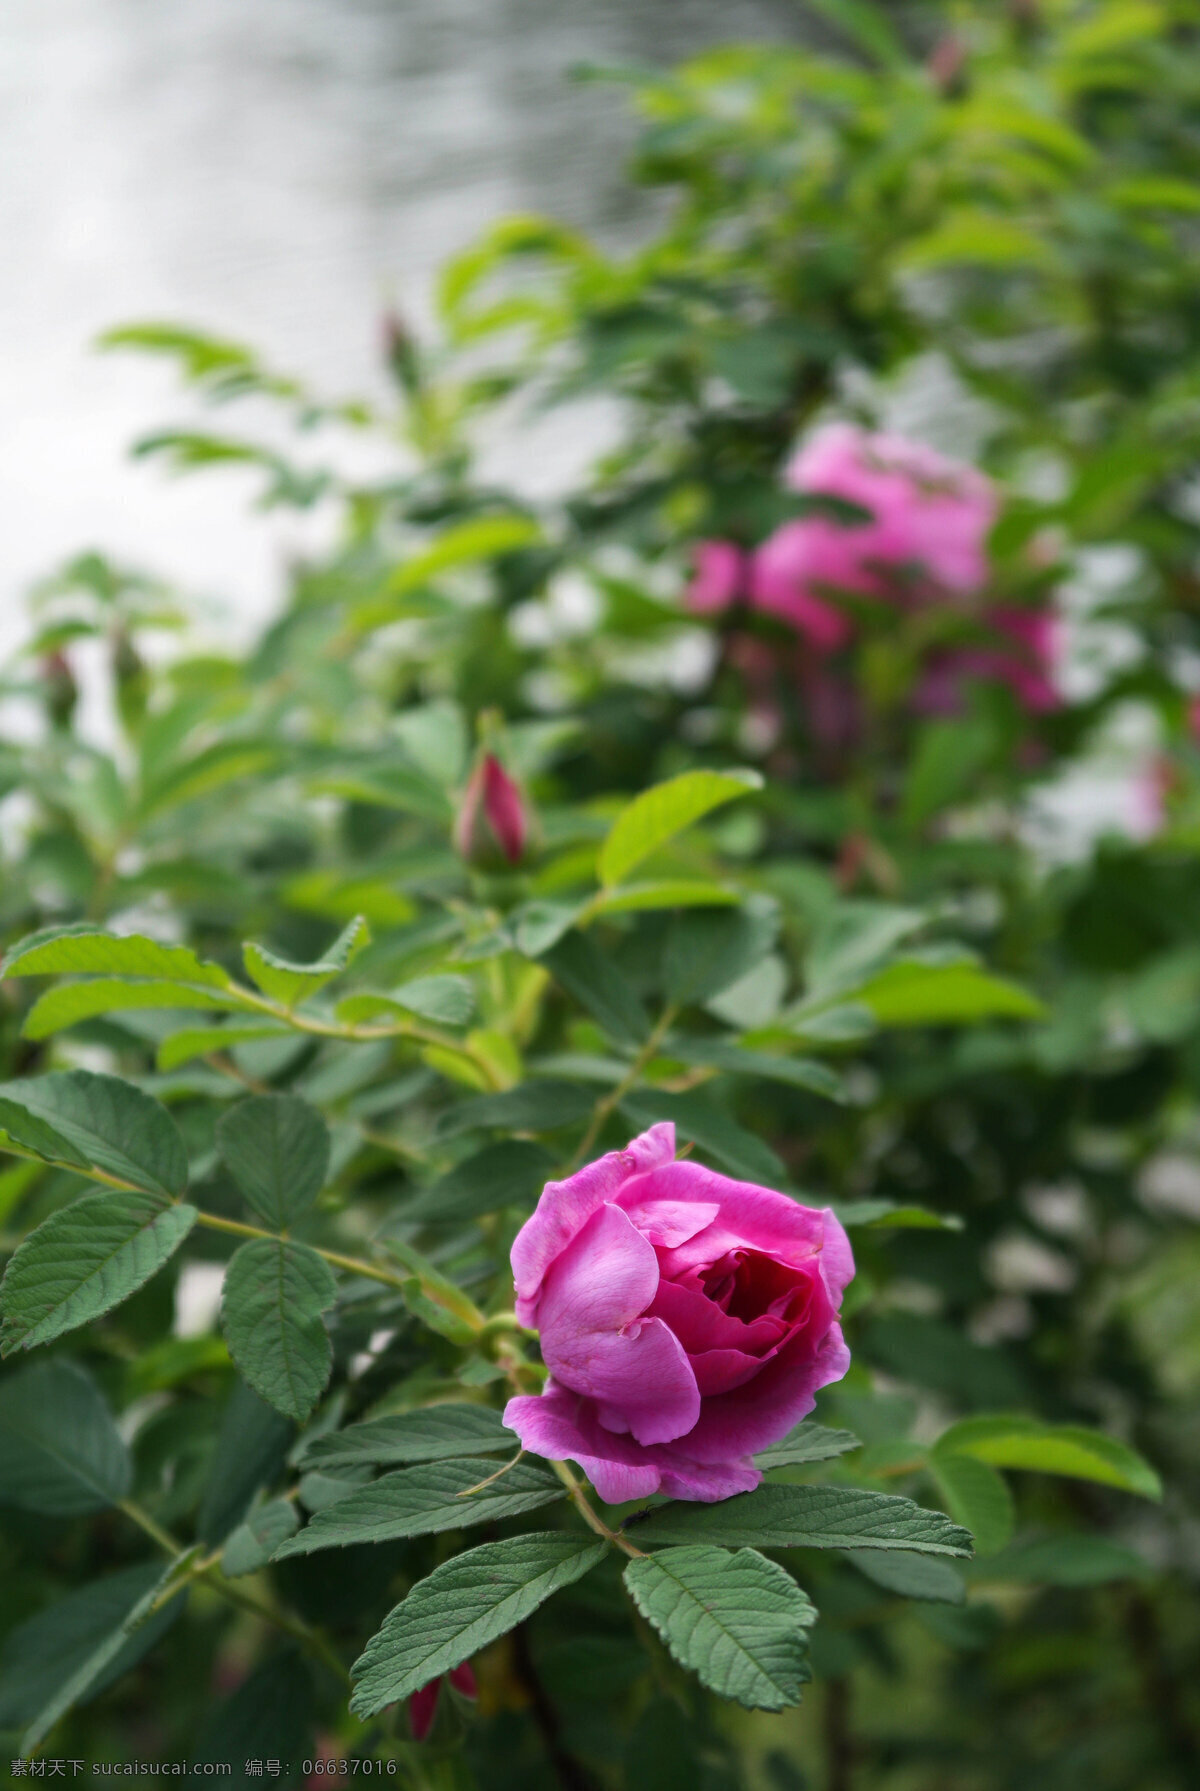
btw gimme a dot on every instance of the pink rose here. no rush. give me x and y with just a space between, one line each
929 520
687 1321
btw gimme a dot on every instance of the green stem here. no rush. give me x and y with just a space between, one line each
209 1571
353 1265
590 1516
608 1103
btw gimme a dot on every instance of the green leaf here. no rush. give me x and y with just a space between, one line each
510 1173
1068 1449
462 1606
82 950
276 1148
737 1620
885 1215
804 1517
531 1107
254 1542
201 1041
106 1123
62 1643
448 1000
665 892
707 949
465 544
271 1310
910 1576
578 964
417 1501
975 235
60 1453
948 758
808 1442
252 1444
976 1496
291 983
70 1003
124 1641
1067 1560
83 1261
853 938
269 1717
769 1066
432 1433
868 27
916 994
698 1118
658 814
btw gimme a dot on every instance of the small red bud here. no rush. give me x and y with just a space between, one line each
422 1708
947 63
422 1705
462 1678
493 806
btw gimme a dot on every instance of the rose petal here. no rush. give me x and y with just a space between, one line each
567 1205
597 1340
720 1370
749 1217
667 1223
700 1324
766 1408
560 1426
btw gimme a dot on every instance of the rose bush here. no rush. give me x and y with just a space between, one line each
687 1320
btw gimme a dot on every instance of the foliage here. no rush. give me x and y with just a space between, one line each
263 1017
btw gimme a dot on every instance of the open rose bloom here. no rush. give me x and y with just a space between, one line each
687 1321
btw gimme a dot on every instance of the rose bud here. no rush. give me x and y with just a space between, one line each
400 352
422 1705
687 1321
493 813
59 686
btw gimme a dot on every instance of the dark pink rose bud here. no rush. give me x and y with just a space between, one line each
493 813
61 690
947 63
422 1705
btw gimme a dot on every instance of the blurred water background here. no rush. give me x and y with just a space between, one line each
271 170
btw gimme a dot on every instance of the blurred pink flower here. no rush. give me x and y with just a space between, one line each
719 577
926 533
1025 662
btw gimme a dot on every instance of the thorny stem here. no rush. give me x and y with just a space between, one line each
609 1102
208 1570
